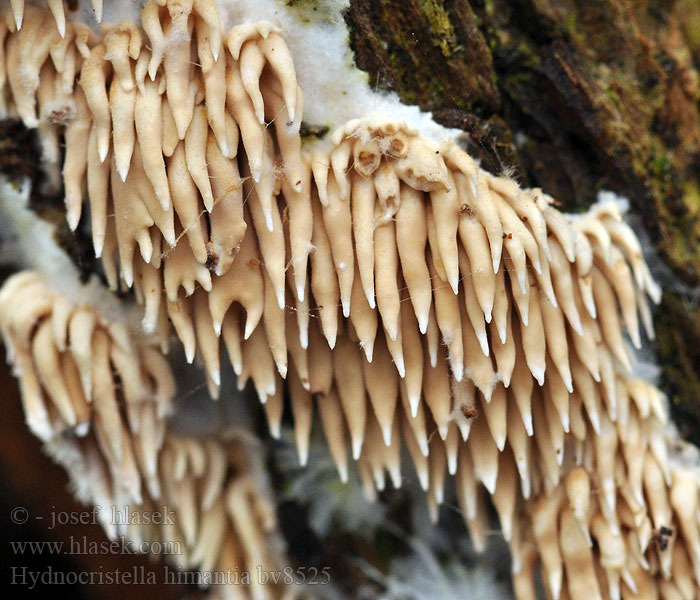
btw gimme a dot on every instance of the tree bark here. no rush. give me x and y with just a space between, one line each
573 96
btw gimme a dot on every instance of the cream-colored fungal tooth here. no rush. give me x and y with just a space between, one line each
554 424
502 308
518 239
477 367
413 356
251 64
214 76
123 43
657 495
207 339
59 15
495 413
418 456
586 345
61 312
557 393
337 223
639 392
613 554
445 209
437 461
432 337
585 387
416 422
682 572
184 198
584 255
157 368
182 269
209 13
122 105
280 62
555 337
76 136
170 139
593 228
533 337
351 389
437 263
17 12
303 316
334 429
411 238
471 303
26 51
320 165
324 283
227 222
196 152
47 362
464 405
32 395
620 278
375 450
545 528
300 217
274 406
521 385
608 378
382 384
520 297
148 120
242 282
298 354
520 445
259 365
339 164
484 453
240 34
93 80
388 189
98 193
395 348
608 318
386 265
578 559
80 342
319 355
103 395
684 500
525 208
180 313
392 455
548 463
152 25
274 323
363 205
232 334
475 243
363 318
302 412
447 312
177 63
562 230
506 494
606 443
466 484
49 110
578 491
252 133
487 214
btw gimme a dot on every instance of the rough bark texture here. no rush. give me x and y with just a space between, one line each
572 96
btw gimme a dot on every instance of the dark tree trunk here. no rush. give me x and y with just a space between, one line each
572 96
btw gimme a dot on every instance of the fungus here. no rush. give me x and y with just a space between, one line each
413 291
99 399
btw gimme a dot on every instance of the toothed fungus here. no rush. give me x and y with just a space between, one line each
413 291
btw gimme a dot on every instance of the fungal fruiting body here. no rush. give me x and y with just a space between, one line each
423 302
99 399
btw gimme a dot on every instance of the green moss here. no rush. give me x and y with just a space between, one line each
440 27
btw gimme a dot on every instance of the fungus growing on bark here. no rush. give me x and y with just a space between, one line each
423 301
99 400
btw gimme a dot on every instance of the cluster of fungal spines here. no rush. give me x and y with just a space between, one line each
99 399
423 302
